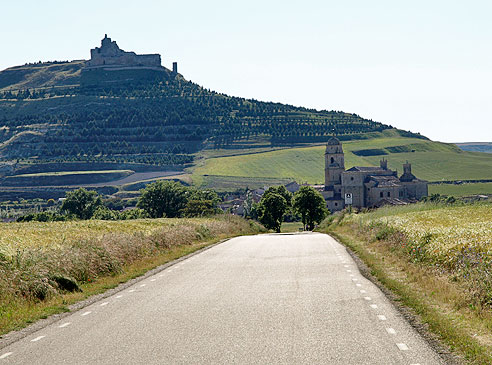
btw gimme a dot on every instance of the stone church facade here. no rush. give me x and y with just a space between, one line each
365 187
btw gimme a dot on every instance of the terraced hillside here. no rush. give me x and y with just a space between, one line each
59 112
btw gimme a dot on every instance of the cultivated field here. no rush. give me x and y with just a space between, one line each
462 189
430 160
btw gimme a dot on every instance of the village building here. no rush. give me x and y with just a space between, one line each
365 187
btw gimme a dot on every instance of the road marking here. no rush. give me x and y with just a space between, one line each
354 279
6 355
119 296
103 304
349 270
367 298
131 290
86 313
374 306
381 317
345 266
153 279
391 331
358 284
37 338
142 285
161 276
402 346
169 270
362 291
351 275
64 325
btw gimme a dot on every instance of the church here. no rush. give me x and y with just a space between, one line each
366 187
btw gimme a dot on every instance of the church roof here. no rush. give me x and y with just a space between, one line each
364 168
385 180
333 141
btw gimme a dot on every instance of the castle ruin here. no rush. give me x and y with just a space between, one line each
109 55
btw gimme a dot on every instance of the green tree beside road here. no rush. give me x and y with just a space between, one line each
311 206
276 201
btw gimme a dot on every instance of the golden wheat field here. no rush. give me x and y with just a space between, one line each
14 236
447 227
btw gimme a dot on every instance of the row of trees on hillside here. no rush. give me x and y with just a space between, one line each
126 117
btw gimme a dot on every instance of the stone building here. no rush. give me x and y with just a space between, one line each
365 187
110 55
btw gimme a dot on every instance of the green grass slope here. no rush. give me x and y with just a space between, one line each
430 160
41 75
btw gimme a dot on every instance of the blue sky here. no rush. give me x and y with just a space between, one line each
424 66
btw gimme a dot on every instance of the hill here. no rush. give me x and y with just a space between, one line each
476 146
65 112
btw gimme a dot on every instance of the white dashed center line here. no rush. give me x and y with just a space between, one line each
402 346
374 306
103 304
37 338
131 290
161 276
358 284
391 331
152 279
349 270
381 317
362 291
354 279
345 266
119 296
367 298
142 285
86 313
64 325
6 355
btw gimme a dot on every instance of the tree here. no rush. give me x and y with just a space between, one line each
163 199
311 205
271 210
282 191
81 203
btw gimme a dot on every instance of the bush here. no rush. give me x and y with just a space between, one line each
81 203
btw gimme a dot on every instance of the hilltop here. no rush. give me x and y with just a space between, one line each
120 107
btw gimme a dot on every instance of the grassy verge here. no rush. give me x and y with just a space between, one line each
38 280
452 303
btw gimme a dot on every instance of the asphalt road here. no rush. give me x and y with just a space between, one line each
267 299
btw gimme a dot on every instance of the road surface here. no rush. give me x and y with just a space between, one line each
267 299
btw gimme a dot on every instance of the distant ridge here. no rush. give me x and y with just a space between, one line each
476 146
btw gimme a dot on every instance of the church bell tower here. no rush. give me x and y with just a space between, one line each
334 163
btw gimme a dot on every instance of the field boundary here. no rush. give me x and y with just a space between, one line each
16 335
